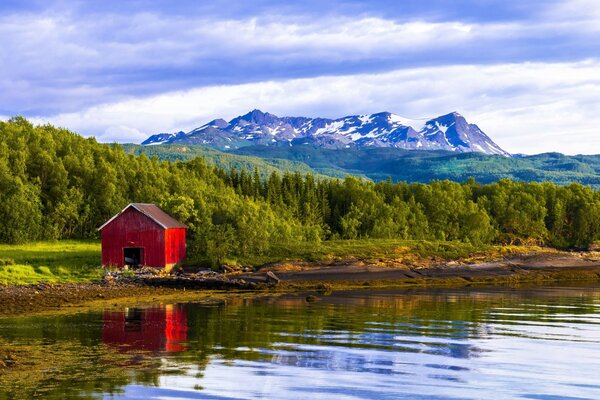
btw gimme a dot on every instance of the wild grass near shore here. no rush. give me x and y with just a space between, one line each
66 261
74 261
372 251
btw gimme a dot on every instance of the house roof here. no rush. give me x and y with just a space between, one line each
153 212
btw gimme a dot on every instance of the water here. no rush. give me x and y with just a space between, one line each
537 343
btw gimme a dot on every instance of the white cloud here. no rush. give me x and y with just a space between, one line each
116 133
526 108
68 61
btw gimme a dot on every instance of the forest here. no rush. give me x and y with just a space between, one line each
55 184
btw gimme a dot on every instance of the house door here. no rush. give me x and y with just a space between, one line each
133 256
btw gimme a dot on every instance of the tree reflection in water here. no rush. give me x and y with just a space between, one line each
346 343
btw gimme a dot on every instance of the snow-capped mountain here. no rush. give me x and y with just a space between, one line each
447 132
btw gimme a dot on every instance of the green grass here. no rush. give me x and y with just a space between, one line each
79 261
50 262
371 250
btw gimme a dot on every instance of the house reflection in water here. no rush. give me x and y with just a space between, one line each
161 328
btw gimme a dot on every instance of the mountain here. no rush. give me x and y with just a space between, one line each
160 138
449 132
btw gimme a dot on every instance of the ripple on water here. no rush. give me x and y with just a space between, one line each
541 343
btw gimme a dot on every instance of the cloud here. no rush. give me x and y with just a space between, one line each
526 108
116 133
66 60
525 71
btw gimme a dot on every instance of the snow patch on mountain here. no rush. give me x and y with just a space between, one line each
447 132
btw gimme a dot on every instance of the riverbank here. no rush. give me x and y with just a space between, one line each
534 267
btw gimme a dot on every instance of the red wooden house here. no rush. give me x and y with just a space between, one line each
143 234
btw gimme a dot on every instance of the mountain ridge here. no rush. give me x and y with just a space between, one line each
449 132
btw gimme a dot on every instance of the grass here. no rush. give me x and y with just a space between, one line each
79 261
374 251
50 262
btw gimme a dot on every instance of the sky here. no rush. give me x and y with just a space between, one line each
526 72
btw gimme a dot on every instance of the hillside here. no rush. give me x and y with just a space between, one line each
229 161
401 165
425 166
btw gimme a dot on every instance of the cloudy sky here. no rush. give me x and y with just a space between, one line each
527 72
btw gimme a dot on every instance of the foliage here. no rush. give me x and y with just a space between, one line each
425 165
57 185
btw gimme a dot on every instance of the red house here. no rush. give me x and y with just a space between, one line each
143 234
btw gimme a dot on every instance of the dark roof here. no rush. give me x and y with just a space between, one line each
153 212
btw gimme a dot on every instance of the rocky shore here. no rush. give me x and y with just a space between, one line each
145 286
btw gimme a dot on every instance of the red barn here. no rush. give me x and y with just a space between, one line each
143 234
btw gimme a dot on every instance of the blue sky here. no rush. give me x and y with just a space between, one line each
528 73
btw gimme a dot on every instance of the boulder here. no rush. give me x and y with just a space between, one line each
594 246
272 278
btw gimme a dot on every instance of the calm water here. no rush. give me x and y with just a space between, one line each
536 343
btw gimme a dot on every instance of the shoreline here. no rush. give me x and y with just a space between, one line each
534 268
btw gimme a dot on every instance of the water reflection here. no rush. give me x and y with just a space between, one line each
434 344
162 328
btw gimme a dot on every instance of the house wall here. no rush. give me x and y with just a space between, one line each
175 247
133 229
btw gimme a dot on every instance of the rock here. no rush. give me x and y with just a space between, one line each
229 268
272 278
311 298
594 246
145 270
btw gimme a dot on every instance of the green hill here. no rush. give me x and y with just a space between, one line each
401 165
425 166
228 161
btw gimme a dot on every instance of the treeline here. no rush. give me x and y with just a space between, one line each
502 212
55 184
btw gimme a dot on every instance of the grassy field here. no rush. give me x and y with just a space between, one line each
50 262
372 251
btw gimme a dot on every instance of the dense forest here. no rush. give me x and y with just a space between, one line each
55 184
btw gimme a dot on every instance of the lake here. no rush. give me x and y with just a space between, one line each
540 343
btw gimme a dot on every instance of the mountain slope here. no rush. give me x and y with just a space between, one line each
424 166
449 132
401 165
229 161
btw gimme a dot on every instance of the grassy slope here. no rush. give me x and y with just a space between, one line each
266 165
401 165
50 262
382 252
424 166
